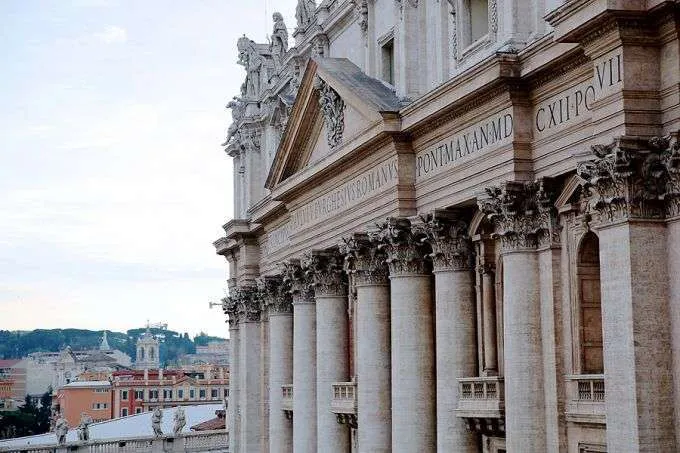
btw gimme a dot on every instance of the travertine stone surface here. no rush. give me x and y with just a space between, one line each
234 398
673 241
374 404
280 373
250 386
637 356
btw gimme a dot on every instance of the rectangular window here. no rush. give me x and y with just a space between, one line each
201 393
387 61
192 393
153 394
180 393
139 394
214 393
99 406
123 412
167 394
226 392
138 410
124 395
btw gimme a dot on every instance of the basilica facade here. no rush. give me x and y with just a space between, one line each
457 229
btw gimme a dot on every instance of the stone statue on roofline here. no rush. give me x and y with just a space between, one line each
156 418
304 13
61 430
180 420
84 427
252 62
279 44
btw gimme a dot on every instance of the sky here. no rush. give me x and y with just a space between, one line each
113 184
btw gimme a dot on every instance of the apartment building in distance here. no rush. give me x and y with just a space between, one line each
137 391
89 397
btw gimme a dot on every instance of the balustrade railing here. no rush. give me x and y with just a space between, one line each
344 399
586 396
287 397
481 396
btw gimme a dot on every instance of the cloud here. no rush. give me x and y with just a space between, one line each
112 34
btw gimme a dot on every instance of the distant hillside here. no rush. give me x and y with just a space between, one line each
17 344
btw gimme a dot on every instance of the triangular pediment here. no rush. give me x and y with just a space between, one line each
336 102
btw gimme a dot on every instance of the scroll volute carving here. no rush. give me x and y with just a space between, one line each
404 246
325 269
365 258
447 233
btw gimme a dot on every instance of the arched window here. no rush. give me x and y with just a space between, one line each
152 353
141 353
590 305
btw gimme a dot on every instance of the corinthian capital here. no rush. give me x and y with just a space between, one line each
365 259
523 213
299 281
275 294
404 247
325 270
632 177
249 305
230 308
447 234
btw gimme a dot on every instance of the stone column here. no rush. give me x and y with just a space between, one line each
278 302
250 372
523 214
332 360
373 362
412 339
633 185
489 321
455 331
304 359
230 309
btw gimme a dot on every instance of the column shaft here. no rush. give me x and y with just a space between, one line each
456 355
413 364
234 402
489 323
280 373
524 397
674 298
304 378
637 359
250 391
373 369
331 366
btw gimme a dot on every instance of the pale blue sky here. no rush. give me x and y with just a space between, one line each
112 181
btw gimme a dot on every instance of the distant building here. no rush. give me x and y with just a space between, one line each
148 351
214 353
137 391
12 383
90 397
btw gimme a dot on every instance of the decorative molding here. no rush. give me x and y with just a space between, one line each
632 178
275 295
447 234
230 309
333 111
326 271
365 260
249 303
493 17
299 281
523 213
405 248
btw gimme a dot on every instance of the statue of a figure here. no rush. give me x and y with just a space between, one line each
252 61
279 45
156 418
84 427
180 420
304 12
61 430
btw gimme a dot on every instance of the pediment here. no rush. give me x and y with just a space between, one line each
335 103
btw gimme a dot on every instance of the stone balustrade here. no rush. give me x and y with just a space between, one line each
206 441
287 399
344 402
586 398
482 404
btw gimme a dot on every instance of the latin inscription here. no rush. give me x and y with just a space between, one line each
577 102
481 137
347 195
278 239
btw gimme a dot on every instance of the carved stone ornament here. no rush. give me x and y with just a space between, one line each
632 178
400 5
244 304
447 234
304 13
275 295
523 213
405 248
361 8
493 16
279 42
333 111
326 271
231 309
365 260
300 282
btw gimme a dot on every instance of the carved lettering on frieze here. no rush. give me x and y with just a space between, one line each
365 259
404 246
523 213
333 112
632 178
447 234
